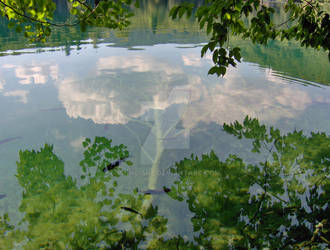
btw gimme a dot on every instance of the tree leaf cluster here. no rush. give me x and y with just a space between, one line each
307 22
35 17
222 18
279 202
61 214
29 16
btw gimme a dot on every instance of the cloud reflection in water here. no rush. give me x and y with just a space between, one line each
128 86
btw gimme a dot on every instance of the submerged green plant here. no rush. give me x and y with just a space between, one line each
59 214
281 201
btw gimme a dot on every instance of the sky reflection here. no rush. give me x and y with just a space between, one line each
122 85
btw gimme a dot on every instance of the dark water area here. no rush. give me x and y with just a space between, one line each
155 120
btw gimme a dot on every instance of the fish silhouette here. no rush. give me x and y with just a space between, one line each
2 196
112 165
131 210
10 139
155 191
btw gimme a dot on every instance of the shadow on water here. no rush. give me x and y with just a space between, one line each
279 202
9 139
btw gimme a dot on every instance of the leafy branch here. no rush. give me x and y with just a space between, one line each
224 17
34 19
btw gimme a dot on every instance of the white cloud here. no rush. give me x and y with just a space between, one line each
8 66
235 97
100 106
128 94
34 72
296 99
192 60
104 105
21 94
57 134
77 143
106 101
195 59
136 63
110 100
2 85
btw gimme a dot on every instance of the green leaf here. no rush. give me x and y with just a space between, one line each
11 24
151 212
204 50
108 155
181 12
47 31
214 70
18 29
174 11
74 11
75 4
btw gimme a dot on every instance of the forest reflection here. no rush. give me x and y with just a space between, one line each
151 25
279 201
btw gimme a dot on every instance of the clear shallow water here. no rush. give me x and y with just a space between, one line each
158 100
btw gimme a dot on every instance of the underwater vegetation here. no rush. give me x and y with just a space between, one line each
280 201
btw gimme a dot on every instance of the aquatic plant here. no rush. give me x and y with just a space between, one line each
59 213
280 201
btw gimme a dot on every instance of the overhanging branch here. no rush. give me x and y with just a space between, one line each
37 20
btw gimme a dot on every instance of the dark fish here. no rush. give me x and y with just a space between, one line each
10 139
112 165
131 210
2 196
154 191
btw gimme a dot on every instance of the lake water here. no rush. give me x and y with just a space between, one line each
147 88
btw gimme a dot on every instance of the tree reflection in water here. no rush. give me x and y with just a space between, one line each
282 201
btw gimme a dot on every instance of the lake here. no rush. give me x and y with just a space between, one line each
147 88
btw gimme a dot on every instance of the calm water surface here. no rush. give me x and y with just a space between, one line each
148 88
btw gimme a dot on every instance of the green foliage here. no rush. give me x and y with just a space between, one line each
60 214
279 202
284 56
215 192
32 16
110 14
313 25
35 17
309 23
220 18
99 154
